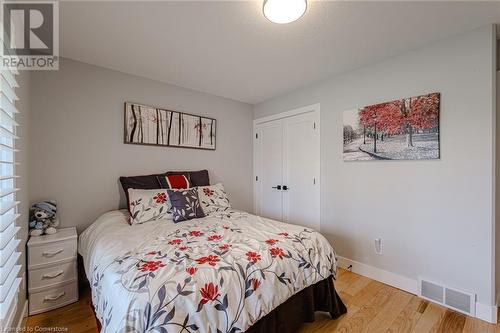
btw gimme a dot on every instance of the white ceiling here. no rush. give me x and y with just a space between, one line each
229 49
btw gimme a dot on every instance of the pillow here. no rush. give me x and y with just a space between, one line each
148 182
185 204
179 181
213 198
196 178
148 205
199 178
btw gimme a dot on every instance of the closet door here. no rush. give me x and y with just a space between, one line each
301 168
287 168
269 170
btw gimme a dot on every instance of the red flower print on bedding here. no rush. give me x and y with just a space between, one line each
214 238
225 247
208 192
255 284
160 198
176 241
152 253
271 241
184 248
191 270
209 292
211 260
151 266
285 234
277 252
195 233
253 256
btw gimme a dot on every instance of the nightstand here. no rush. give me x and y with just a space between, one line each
52 270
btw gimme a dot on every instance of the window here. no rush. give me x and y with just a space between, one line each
9 255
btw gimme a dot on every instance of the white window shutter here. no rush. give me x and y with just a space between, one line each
9 256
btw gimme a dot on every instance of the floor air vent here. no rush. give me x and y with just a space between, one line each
460 301
432 291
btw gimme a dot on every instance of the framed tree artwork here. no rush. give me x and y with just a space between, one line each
403 129
148 125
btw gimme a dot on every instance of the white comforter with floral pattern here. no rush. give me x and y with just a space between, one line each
221 273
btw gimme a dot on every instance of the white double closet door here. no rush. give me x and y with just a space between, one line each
287 167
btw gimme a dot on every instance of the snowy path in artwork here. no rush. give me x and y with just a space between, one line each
352 152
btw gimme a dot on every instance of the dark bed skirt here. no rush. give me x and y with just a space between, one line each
298 309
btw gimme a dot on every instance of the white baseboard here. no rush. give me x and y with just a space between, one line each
484 312
392 279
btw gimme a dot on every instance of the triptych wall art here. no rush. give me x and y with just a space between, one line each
404 129
147 125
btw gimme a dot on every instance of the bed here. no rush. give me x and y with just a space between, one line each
227 272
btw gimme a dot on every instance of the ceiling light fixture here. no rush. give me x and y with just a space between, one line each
284 11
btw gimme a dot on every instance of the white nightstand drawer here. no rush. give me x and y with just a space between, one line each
49 276
52 270
53 298
50 253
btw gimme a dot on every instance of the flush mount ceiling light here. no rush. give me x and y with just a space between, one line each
284 11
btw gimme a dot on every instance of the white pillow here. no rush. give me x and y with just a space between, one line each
148 205
213 198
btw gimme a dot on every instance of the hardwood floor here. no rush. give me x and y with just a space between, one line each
371 307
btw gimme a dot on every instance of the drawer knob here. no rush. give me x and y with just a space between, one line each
53 298
51 253
52 275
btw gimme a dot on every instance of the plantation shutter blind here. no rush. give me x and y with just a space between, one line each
9 256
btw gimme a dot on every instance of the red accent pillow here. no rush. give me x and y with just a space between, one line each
175 181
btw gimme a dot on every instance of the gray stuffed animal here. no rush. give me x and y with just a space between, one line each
43 218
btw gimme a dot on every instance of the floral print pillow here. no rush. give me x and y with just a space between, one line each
185 204
148 205
213 198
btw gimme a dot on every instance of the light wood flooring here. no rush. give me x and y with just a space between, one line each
371 307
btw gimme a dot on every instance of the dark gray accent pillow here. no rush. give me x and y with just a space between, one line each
148 182
199 178
185 204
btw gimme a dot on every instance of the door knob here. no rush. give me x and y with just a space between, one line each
278 187
285 187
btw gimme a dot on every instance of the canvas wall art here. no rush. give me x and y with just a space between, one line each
405 129
147 125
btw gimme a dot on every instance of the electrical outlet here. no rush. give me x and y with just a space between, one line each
378 245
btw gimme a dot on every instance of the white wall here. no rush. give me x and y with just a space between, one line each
22 157
77 149
435 217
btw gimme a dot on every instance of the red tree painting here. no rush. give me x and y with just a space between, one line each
400 129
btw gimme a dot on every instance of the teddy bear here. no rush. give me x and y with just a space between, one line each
43 218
